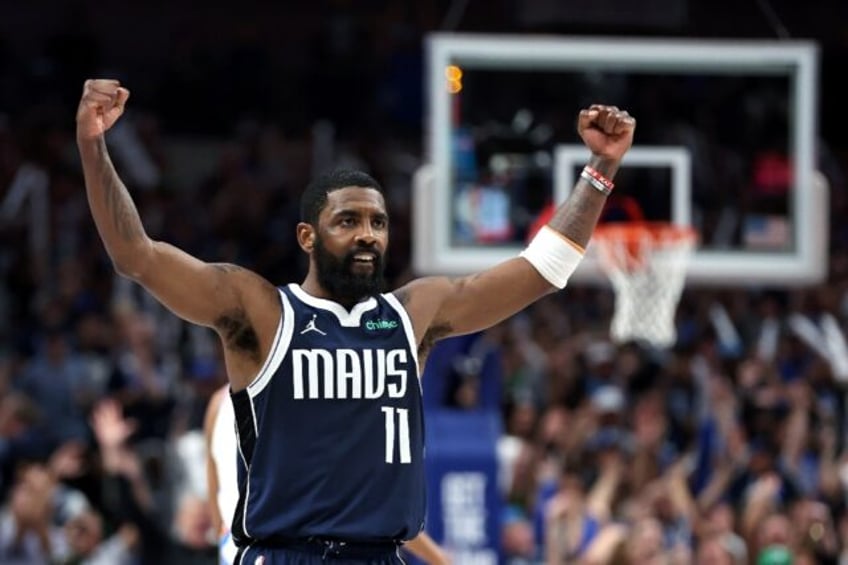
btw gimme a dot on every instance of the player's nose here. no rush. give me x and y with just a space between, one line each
366 236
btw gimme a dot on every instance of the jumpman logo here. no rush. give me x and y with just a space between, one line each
311 327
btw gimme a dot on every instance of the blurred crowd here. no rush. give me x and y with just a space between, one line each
729 448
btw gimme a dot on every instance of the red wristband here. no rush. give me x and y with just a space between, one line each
597 181
599 177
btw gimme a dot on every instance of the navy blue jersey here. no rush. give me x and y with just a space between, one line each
331 432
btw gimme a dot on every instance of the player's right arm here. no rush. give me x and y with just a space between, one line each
239 304
441 307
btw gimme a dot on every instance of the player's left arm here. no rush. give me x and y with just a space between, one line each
427 550
441 306
212 484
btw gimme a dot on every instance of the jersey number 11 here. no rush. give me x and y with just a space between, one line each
402 417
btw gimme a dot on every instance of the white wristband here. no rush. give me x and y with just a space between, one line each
553 256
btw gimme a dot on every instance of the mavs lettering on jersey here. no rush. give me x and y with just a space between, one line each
349 373
331 430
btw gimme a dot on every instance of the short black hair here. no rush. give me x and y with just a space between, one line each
314 198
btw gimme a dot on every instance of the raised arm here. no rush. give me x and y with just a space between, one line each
441 306
239 304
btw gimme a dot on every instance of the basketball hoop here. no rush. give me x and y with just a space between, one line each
646 263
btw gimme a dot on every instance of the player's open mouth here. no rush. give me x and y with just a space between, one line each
367 258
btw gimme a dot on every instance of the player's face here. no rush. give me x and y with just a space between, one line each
352 235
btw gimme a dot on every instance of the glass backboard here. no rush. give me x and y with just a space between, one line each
724 143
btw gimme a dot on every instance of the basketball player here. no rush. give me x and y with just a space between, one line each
221 464
324 374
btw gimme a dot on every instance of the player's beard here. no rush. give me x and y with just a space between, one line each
337 275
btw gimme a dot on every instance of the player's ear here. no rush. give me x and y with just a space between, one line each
306 236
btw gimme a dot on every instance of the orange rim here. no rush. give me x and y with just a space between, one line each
639 231
638 239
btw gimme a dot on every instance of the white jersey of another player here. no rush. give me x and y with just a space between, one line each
223 450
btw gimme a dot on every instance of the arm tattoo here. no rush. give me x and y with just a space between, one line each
227 267
576 218
121 209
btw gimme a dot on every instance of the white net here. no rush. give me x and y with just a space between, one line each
646 265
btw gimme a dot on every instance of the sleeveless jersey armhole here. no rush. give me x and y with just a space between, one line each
279 347
408 329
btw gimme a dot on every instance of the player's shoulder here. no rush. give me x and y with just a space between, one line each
422 299
254 290
423 289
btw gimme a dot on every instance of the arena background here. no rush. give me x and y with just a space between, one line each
547 442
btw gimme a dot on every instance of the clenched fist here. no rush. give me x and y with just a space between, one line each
606 130
101 105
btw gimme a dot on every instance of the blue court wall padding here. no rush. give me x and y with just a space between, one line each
463 502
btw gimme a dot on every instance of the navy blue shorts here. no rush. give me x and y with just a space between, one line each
320 552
